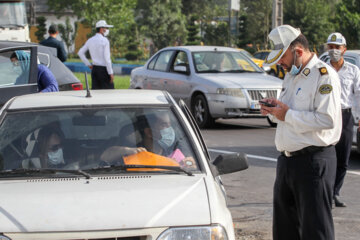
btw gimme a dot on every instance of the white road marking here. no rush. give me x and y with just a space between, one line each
267 158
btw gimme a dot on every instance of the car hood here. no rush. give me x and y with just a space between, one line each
243 80
104 203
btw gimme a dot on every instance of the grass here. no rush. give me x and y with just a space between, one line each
121 82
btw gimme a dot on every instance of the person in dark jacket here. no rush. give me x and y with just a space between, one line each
51 41
46 80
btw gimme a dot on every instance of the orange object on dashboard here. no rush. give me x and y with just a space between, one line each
149 159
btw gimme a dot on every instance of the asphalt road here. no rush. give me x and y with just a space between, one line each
250 192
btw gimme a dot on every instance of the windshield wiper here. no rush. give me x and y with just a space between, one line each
125 167
238 71
45 170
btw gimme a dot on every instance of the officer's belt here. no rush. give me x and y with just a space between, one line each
347 110
304 151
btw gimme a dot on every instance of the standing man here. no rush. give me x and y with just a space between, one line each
51 41
349 75
308 114
102 74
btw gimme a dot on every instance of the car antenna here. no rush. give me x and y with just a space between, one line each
87 86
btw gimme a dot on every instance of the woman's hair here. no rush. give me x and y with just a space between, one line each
43 138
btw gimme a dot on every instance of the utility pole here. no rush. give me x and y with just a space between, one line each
277 13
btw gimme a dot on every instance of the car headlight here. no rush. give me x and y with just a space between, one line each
189 233
236 92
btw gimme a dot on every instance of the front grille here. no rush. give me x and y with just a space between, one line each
260 94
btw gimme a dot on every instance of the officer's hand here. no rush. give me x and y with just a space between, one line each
111 78
279 111
263 110
91 67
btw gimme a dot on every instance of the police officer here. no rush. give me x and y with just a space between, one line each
308 114
102 74
349 75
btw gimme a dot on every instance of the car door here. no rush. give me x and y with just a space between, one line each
179 83
11 72
156 77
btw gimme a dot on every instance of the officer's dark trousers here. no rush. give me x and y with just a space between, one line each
343 150
303 193
100 79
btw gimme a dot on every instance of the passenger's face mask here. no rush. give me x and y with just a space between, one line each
56 157
335 55
294 69
106 32
17 69
167 137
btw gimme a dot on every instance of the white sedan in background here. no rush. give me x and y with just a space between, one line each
214 82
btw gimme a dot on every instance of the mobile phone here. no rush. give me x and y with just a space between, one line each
266 104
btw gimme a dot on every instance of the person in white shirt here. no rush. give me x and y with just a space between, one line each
349 75
308 113
102 74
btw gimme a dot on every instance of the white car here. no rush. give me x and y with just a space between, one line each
214 82
352 56
119 164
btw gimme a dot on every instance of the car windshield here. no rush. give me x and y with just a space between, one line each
223 62
94 141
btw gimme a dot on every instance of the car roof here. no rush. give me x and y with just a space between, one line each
8 44
98 98
201 48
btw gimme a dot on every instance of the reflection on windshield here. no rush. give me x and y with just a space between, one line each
222 62
12 14
90 139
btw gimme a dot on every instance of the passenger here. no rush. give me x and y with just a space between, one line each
50 150
21 64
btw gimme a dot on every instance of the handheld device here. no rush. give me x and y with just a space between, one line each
266 104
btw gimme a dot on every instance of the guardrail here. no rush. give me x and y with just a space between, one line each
119 69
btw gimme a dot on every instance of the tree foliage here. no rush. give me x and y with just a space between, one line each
68 33
162 21
115 12
41 28
348 20
193 31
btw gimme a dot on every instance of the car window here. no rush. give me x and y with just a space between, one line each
163 61
12 70
350 59
152 63
181 59
221 62
94 140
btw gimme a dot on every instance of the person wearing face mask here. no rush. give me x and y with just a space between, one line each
46 81
102 74
349 75
308 116
51 41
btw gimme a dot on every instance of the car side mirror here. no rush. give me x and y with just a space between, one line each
229 163
181 69
266 68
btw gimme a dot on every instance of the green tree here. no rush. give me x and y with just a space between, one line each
216 33
243 37
312 17
133 52
68 33
348 21
115 12
41 28
193 31
161 21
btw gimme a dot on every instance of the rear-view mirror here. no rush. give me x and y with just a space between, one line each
89 121
229 163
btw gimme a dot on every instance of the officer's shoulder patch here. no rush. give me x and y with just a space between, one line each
325 89
306 71
323 71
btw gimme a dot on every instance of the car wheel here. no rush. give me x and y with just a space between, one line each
201 112
272 124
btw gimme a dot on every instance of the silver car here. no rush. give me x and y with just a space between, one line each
215 82
352 56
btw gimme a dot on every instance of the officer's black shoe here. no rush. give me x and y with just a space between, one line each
338 202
